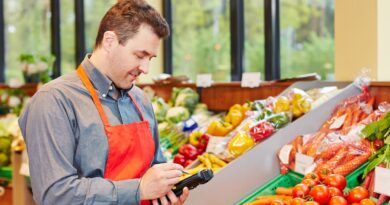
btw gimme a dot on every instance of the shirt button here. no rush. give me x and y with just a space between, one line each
110 88
104 95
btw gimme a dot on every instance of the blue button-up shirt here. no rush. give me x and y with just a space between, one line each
67 144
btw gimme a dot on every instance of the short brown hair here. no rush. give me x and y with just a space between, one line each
125 18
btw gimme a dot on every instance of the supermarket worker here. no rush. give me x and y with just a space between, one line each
91 135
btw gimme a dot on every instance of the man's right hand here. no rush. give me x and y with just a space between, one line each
159 180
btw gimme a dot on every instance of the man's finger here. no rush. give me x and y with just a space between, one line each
184 195
172 197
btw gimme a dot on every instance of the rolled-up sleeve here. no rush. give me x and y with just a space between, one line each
46 125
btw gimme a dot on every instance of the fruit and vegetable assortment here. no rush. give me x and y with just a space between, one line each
317 188
246 124
378 133
207 161
337 146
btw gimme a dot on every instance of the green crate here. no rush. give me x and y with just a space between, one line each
355 178
292 178
6 173
288 180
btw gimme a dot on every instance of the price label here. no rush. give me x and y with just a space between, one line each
382 179
338 122
251 79
303 163
204 80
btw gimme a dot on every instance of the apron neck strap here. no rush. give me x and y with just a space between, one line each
87 83
137 106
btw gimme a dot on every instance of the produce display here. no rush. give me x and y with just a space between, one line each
317 189
177 119
378 133
337 146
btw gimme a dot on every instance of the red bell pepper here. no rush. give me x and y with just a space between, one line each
261 131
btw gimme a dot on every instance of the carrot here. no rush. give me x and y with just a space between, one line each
284 191
348 167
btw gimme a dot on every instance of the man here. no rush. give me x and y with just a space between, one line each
91 135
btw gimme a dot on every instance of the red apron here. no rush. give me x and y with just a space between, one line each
130 146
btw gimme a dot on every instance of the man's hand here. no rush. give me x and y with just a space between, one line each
159 180
173 200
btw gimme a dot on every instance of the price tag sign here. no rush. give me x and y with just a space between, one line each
303 163
338 122
204 80
382 181
251 79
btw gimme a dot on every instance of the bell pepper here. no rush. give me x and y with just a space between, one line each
240 143
203 142
194 138
179 159
279 120
261 131
188 151
282 104
218 128
235 116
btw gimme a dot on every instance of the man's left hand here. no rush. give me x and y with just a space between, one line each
173 199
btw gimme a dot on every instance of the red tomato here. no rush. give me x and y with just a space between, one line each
300 190
320 194
357 194
336 180
311 203
310 182
338 200
297 201
333 191
355 204
312 176
323 173
367 202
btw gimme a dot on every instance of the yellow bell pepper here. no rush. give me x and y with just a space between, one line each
240 143
235 115
218 128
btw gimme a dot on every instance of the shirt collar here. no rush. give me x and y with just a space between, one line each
101 82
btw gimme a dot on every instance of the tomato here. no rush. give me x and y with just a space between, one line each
188 162
336 180
300 190
320 194
312 176
310 182
323 173
297 201
277 202
338 200
355 204
367 202
357 194
311 203
333 191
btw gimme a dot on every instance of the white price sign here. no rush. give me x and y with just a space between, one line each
251 80
303 163
204 80
382 181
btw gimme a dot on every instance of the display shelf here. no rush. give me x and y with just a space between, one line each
259 165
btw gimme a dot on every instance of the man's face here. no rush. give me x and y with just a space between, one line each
128 61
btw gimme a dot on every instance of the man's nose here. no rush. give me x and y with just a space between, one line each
144 66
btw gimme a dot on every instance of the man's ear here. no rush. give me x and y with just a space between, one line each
110 40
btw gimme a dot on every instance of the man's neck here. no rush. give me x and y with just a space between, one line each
98 61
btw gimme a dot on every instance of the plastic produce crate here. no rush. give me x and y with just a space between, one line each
288 180
6 173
